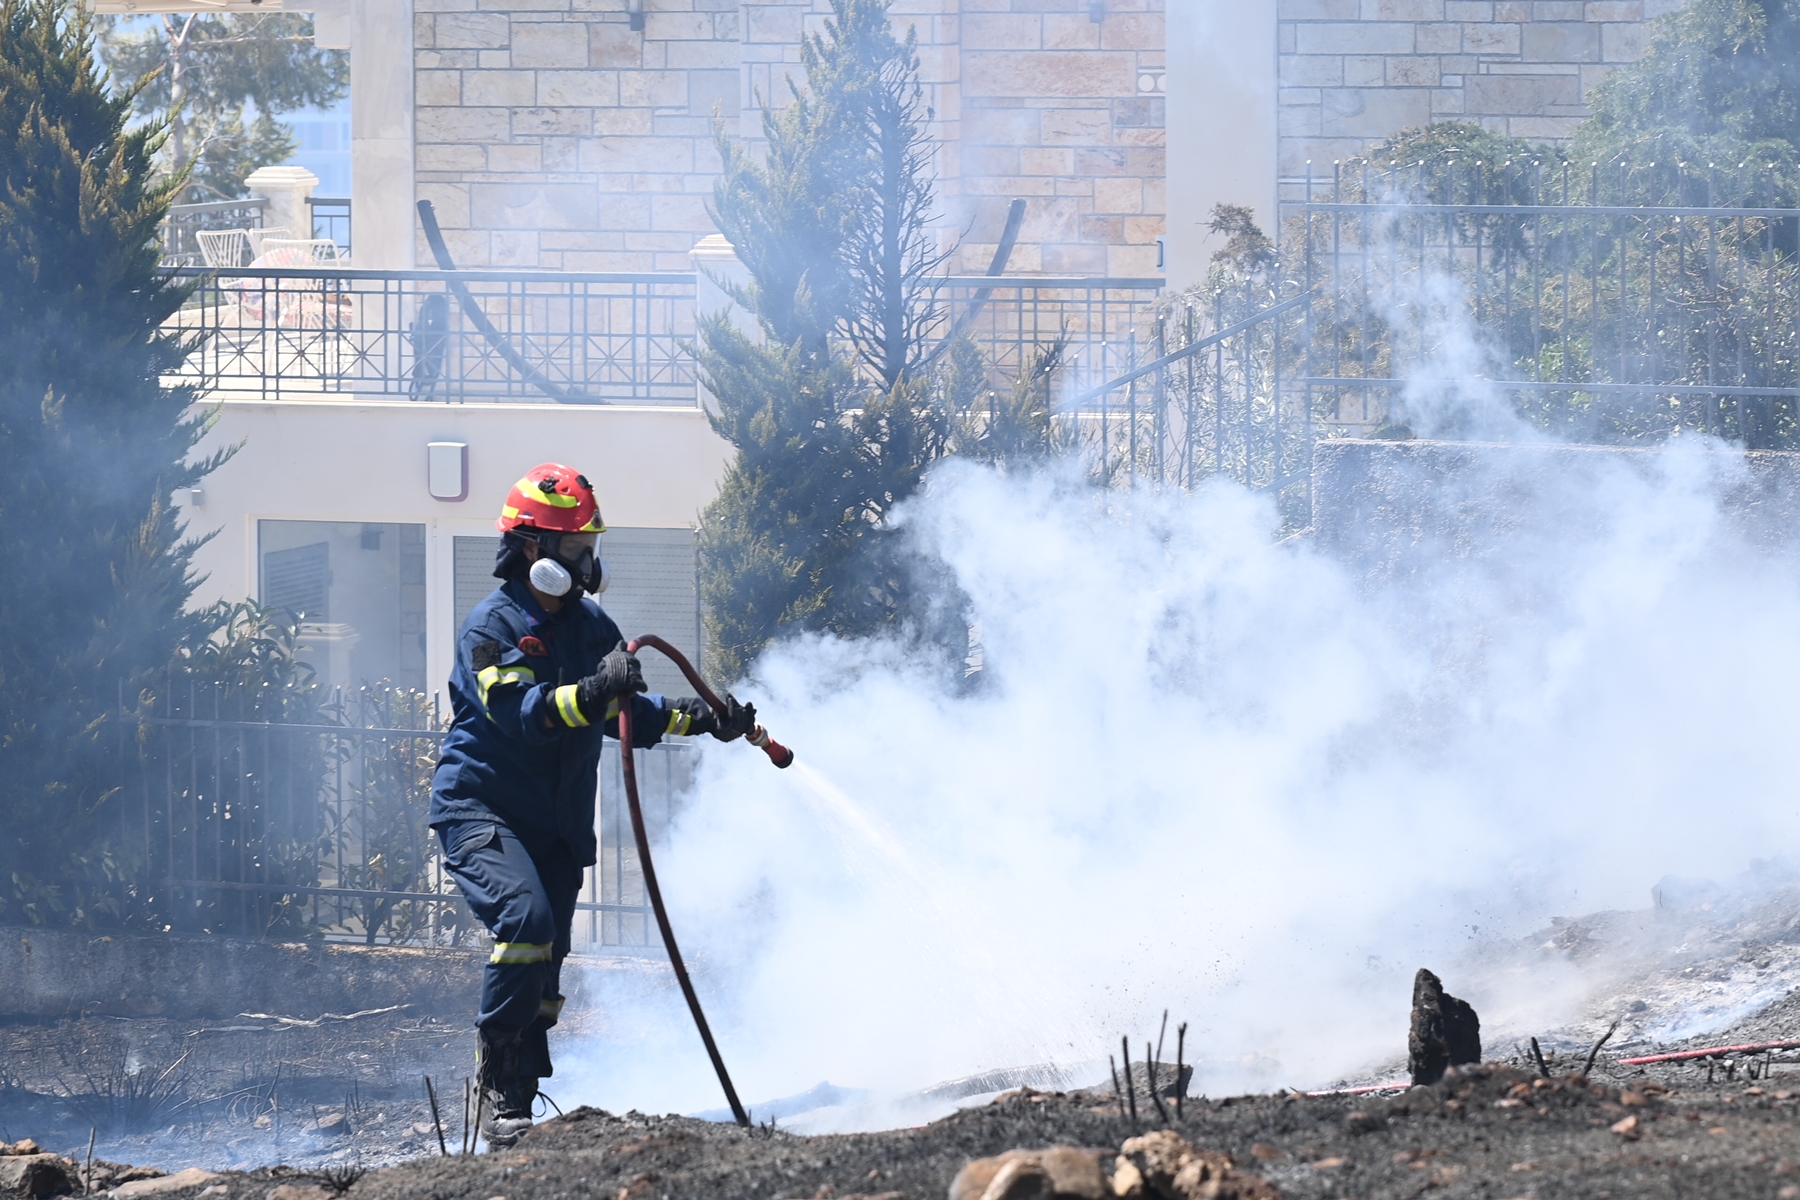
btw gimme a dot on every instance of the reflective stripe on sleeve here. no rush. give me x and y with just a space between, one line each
568 707
489 678
679 722
550 1007
520 952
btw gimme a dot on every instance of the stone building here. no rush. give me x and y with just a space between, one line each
1352 71
559 134
576 134
556 134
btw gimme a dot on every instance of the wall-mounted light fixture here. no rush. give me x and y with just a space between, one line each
635 9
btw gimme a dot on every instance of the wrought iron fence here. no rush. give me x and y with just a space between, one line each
437 335
1012 317
331 219
1605 306
564 336
249 825
180 248
1612 304
1218 387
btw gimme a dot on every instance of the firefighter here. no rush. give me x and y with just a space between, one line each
541 671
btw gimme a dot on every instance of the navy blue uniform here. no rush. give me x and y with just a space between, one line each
513 797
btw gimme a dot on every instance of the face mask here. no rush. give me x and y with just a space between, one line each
555 574
551 577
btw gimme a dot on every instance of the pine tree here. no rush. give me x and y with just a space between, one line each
199 72
93 445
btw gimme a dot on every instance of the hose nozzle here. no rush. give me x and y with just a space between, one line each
778 754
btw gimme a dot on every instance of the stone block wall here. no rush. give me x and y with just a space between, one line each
1066 111
549 134
1353 72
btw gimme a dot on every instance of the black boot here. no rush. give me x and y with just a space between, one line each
506 1091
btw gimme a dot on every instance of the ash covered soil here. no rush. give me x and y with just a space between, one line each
1485 1131
1488 1131
332 1100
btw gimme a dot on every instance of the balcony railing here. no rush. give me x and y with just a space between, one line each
331 219
565 337
546 336
181 248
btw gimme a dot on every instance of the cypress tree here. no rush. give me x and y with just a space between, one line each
96 577
830 411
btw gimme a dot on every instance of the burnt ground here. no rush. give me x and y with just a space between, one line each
338 1102
1455 1138
1489 1131
231 1092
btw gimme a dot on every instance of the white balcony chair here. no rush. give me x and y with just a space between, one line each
297 252
223 247
259 236
299 306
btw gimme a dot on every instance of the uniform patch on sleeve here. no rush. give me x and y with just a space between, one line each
485 655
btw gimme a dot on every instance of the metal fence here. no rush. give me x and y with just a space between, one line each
1218 387
247 823
564 337
1611 304
1012 317
436 335
331 219
1609 307
179 246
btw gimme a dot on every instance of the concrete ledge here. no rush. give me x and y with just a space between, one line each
55 974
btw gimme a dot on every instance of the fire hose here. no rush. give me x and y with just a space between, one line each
778 754
1710 1052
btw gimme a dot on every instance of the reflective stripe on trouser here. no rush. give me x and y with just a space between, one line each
528 904
520 952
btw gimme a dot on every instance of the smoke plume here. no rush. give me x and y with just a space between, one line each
1211 770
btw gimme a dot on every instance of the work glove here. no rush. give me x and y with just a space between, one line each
738 721
620 674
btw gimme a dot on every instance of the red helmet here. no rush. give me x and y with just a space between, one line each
552 497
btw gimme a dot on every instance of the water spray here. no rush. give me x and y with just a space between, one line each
778 754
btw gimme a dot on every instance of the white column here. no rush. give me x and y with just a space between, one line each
1221 122
284 190
379 36
715 263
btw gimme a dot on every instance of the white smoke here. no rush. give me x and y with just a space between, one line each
1217 771
1211 770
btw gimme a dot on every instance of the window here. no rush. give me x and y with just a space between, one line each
358 589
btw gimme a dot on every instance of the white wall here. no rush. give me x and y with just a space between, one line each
365 461
1221 122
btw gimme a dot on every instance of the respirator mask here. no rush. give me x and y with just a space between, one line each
567 561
